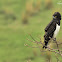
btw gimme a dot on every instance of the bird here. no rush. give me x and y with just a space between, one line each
52 29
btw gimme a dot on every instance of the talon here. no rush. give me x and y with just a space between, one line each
45 47
54 39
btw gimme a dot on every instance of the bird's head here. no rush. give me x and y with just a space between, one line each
57 15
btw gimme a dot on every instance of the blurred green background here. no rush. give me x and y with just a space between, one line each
18 19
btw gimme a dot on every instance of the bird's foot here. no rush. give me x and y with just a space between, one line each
45 47
54 39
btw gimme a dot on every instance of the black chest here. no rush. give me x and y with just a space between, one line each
58 22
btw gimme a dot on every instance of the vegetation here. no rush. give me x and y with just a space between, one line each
14 34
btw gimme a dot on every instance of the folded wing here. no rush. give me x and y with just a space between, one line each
50 29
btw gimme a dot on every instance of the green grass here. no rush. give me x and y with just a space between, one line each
14 35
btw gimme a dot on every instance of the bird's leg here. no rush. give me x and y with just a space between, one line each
54 39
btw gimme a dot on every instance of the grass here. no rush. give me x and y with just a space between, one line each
14 35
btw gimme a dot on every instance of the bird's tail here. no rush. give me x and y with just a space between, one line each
45 46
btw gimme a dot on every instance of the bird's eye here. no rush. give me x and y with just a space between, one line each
55 16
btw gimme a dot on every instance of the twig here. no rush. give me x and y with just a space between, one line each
56 51
57 58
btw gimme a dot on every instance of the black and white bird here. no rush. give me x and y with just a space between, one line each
52 28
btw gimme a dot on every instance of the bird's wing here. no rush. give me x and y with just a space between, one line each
48 26
51 29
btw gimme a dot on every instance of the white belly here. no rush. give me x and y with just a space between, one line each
57 30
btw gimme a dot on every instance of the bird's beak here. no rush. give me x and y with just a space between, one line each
54 17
